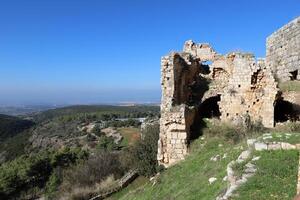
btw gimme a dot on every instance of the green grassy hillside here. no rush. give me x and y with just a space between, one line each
189 179
276 177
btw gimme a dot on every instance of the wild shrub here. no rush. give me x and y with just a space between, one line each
24 173
94 170
53 183
28 174
144 152
97 131
233 133
107 143
293 127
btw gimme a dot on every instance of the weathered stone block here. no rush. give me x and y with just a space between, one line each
259 146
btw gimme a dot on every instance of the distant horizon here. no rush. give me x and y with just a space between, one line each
79 52
84 98
79 104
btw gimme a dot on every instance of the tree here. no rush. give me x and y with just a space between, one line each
145 151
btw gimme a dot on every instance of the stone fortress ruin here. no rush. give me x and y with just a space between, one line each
199 83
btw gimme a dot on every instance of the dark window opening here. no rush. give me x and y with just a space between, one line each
294 75
254 77
205 69
284 111
210 108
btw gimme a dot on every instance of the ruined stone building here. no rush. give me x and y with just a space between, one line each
283 51
199 83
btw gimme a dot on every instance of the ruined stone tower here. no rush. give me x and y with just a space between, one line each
283 51
199 83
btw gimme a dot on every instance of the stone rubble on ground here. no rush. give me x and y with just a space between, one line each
234 181
211 180
215 158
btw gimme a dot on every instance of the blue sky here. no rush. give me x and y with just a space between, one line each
96 51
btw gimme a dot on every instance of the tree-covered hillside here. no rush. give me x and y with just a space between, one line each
99 110
11 126
109 135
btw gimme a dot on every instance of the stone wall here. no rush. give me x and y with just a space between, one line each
283 51
251 91
233 86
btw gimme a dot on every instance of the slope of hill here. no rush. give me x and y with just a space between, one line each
98 137
203 174
60 127
11 126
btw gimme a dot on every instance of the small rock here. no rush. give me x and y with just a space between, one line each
256 158
202 138
211 180
215 158
267 137
225 155
250 168
225 178
250 142
244 155
275 146
287 146
260 146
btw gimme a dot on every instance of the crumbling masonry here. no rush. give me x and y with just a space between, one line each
199 83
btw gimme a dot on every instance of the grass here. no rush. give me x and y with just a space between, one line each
130 135
276 177
189 179
290 86
138 183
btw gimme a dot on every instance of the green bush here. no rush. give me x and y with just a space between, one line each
125 123
67 156
31 173
145 151
53 183
97 131
24 173
94 170
107 143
